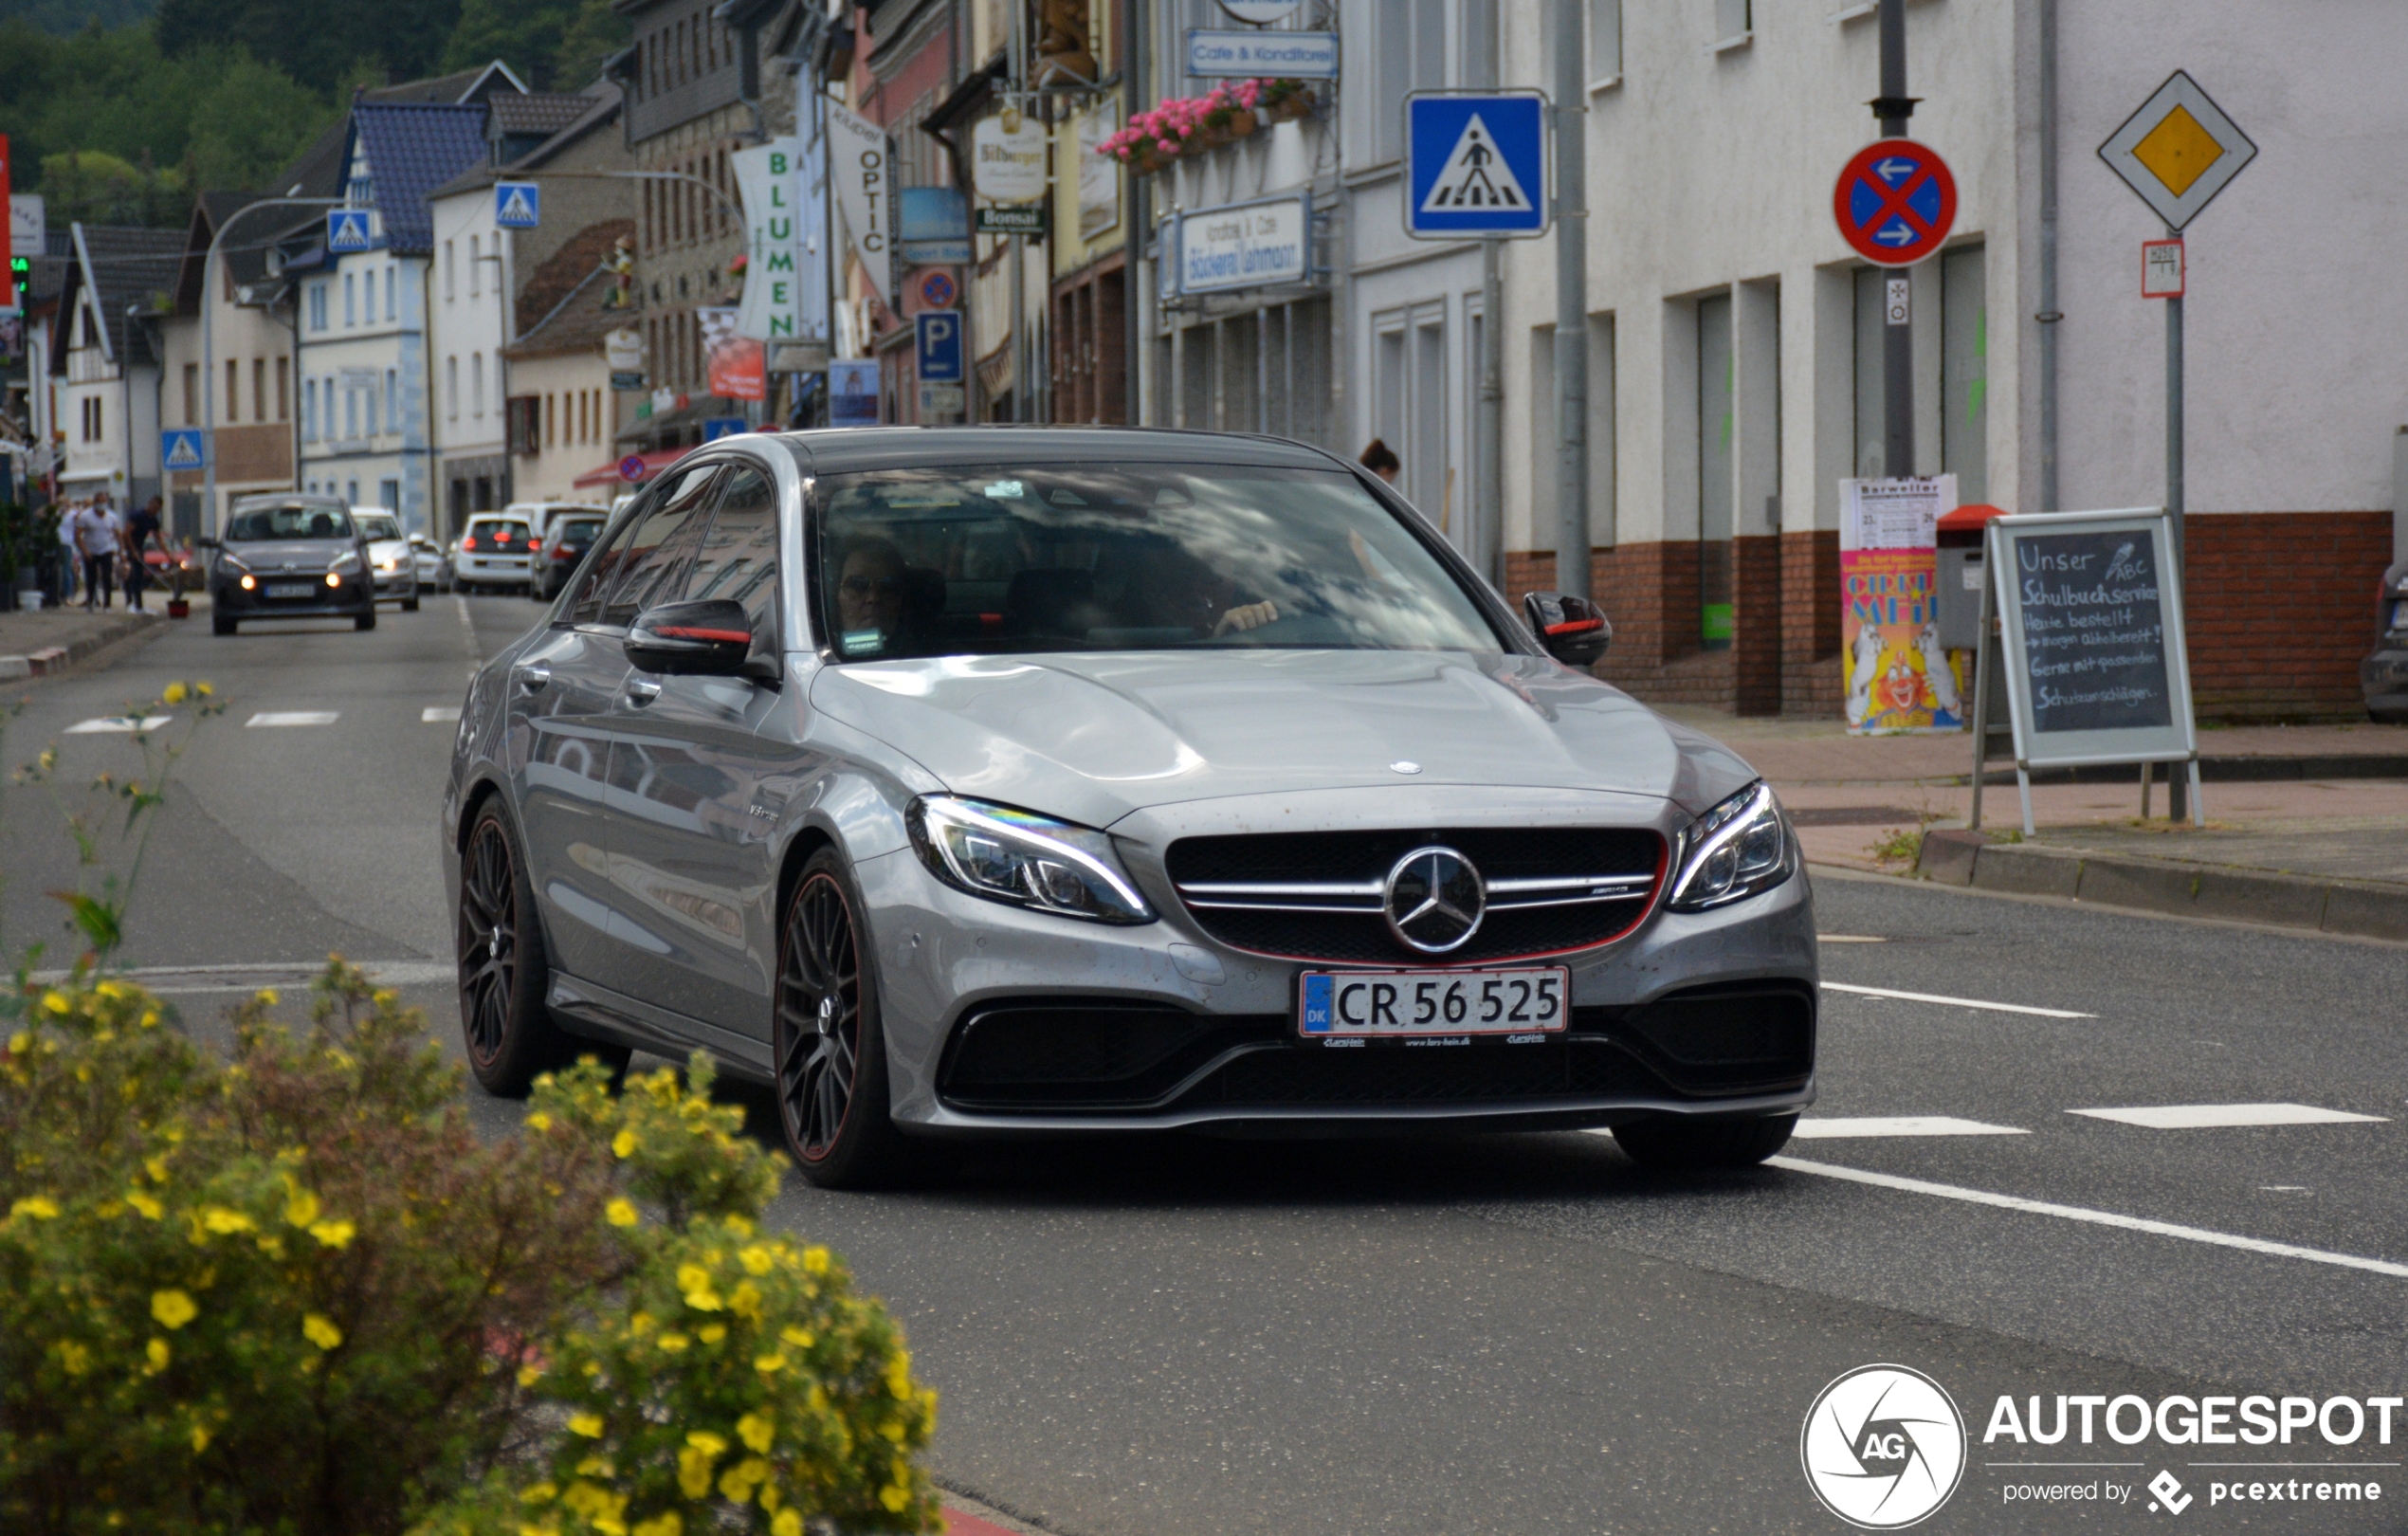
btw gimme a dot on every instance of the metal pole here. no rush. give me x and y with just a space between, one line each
1485 546
1893 108
2177 785
209 357
2049 316
1572 296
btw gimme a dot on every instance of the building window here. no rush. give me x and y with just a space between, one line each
259 389
309 410
1964 373
477 385
1717 408
1412 56
370 279
350 414
351 493
283 388
475 279
451 388
391 307
1733 20
350 305
393 401
389 492
318 306
451 274
192 395
1605 42
234 411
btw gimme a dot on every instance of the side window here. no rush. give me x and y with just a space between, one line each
587 608
657 552
738 558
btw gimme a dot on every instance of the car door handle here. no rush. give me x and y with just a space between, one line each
641 690
535 679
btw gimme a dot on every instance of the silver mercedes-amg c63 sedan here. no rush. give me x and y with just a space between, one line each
980 781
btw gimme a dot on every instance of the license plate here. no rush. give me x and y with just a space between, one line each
1335 1004
291 589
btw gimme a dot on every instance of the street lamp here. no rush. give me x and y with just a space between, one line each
209 352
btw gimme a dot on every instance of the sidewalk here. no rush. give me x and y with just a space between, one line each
51 639
2308 826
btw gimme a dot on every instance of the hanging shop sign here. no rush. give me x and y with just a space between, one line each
1222 54
1244 246
859 163
1007 157
765 183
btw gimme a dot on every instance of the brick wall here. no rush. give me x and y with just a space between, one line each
1810 624
2281 608
1756 627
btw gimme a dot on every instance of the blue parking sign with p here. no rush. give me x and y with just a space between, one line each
941 349
1476 164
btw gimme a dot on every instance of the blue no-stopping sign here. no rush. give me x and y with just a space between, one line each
1476 164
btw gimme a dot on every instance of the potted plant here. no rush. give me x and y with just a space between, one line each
1285 100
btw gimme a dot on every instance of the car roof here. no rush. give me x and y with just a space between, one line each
496 517
840 451
275 499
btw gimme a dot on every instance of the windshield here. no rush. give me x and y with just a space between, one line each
501 534
303 522
376 527
580 530
1079 557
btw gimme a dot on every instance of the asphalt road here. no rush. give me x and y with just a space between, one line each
1512 1335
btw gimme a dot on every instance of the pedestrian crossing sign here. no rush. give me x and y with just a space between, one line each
517 205
1476 165
347 230
183 447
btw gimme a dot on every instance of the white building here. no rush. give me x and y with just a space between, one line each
234 379
106 353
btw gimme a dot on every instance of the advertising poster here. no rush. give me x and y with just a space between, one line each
738 364
1898 678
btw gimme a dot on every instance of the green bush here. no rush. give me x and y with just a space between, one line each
294 1292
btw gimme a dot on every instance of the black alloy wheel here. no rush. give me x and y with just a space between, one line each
503 970
830 1052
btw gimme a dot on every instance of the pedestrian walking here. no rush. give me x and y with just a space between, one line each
70 552
1382 460
100 532
141 529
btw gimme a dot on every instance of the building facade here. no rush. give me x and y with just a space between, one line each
230 371
106 356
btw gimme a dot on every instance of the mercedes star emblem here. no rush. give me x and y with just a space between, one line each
1434 900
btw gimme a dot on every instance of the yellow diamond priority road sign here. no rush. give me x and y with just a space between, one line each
2179 151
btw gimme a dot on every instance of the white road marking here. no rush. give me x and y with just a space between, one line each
118 724
1954 1002
438 714
293 717
2202 1116
468 632
1834 1126
2098 1218
1850 938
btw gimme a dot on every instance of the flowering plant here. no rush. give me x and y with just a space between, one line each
1184 125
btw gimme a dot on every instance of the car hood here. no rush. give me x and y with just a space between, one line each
302 554
1094 737
388 549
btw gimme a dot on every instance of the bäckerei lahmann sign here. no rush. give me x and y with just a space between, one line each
1246 244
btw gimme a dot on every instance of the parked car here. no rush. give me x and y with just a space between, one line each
287 555
540 516
557 554
434 561
2382 677
497 550
971 782
391 559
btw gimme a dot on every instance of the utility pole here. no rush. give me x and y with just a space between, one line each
2177 787
1487 543
1892 108
1572 296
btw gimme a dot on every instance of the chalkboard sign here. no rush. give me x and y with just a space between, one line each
2090 615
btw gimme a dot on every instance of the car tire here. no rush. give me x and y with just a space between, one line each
364 621
505 971
1671 1146
827 1050
220 624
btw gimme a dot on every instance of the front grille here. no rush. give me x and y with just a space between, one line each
1085 1052
1317 895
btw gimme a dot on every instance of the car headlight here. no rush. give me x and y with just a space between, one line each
388 563
344 564
1023 858
227 562
1736 849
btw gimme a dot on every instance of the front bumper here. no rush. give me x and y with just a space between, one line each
354 597
1003 1020
397 583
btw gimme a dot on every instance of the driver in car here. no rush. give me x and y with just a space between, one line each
871 591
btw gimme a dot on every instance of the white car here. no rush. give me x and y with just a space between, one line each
496 550
391 559
539 515
434 566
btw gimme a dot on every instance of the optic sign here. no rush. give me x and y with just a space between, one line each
347 230
517 205
1244 246
1895 202
1475 164
937 290
941 349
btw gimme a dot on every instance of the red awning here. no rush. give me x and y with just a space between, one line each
654 461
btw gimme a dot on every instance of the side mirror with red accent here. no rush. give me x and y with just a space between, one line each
1574 630
709 638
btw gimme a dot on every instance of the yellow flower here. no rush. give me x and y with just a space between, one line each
694 1470
36 1206
540 1121
200 1439
174 694
335 1235
739 1481
530 1375
799 1338
673 1343
538 1494
596 1467
156 1168
203 689
755 1431
321 1332
75 1358
57 1002
172 1308
664 1524
815 1259
738 1225
267 995
642 1323
272 1247
21 1042
301 1208
769 1364
112 991
756 1259
158 1354
589 1425
745 1301
620 1212
711 1332
147 1204
786 1522
624 1143
695 1282
219 1218
895 1496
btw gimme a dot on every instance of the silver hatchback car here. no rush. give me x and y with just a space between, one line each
972 782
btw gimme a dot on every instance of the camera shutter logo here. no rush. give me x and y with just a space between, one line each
1883 1447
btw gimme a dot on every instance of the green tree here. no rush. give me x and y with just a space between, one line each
311 41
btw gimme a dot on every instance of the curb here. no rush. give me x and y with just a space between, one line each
2356 909
53 659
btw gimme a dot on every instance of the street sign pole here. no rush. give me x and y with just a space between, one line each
1487 524
1572 296
2176 783
1893 107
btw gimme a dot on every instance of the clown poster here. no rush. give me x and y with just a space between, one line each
1898 678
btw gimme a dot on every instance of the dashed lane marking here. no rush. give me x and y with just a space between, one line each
2208 1115
1850 938
1954 1002
2096 1218
1840 1126
438 714
274 718
118 724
